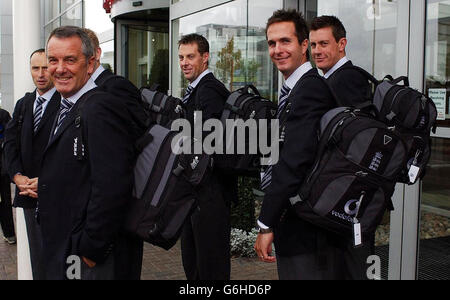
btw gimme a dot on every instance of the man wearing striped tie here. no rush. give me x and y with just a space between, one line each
87 168
205 241
26 137
301 249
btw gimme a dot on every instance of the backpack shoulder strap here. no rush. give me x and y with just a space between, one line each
363 72
316 75
78 124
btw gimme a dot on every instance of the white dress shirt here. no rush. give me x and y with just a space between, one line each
339 64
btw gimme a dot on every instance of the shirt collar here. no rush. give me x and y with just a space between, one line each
48 95
90 84
97 73
339 64
197 81
295 77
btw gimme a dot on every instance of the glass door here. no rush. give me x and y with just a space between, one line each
142 45
377 43
434 244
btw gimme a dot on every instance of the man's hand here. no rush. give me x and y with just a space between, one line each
29 188
263 247
21 180
88 262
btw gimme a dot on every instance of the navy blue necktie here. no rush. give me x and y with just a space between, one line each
37 116
187 94
284 95
65 108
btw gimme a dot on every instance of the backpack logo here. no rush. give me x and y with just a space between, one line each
387 140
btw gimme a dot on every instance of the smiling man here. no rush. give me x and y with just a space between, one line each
205 241
303 251
87 168
328 39
26 137
351 86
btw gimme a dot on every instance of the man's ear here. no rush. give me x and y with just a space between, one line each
98 54
91 63
342 44
305 45
205 57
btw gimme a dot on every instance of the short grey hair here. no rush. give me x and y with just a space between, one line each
70 31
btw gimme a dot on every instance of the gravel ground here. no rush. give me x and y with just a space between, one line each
431 226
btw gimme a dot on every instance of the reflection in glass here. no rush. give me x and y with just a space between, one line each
148 54
238 46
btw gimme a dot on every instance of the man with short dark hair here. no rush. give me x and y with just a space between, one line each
26 138
303 251
87 168
205 240
328 39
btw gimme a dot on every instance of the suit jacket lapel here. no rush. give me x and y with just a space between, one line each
27 130
68 120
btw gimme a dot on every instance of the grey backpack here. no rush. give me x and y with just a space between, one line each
412 115
353 179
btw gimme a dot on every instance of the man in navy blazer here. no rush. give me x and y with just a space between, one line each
328 39
87 168
26 138
303 251
205 241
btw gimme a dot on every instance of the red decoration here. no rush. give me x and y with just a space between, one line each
107 5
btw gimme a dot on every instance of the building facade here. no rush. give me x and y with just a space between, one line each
396 37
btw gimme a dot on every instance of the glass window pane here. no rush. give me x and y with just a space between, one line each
65 4
372 30
437 66
51 10
73 16
50 27
434 253
238 46
107 58
148 54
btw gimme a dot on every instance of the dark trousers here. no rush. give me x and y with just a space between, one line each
6 215
205 240
128 255
124 263
34 243
335 259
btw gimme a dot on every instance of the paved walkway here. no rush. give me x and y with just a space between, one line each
158 264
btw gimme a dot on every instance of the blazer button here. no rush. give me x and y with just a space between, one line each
44 187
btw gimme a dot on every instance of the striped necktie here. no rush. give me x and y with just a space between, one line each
284 95
65 108
187 94
37 116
